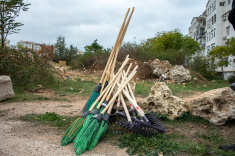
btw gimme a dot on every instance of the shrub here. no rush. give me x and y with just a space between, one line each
231 79
26 69
99 59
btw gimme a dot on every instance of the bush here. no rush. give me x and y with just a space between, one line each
203 66
231 79
99 59
26 69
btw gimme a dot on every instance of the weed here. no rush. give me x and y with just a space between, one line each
51 119
212 135
74 87
187 117
139 144
143 88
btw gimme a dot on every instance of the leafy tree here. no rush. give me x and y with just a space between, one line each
60 49
46 52
71 53
172 46
94 47
10 9
220 54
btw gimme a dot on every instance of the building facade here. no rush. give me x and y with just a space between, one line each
30 45
212 28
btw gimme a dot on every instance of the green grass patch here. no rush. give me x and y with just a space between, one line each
142 88
51 119
178 89
25 96
74 87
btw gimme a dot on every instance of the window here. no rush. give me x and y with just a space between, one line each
209 36
229 1
208 49
228 30
221 3
212 45
214 32
208 23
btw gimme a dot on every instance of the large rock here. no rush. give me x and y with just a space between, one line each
180 74
161 100
217 105
160 67
6 90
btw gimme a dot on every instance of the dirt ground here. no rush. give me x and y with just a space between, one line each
25 139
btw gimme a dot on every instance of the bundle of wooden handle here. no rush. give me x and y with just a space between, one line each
86 130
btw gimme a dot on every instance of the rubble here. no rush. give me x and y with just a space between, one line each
165 71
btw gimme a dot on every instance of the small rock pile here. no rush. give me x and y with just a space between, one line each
165 71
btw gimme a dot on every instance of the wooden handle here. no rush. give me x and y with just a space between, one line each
122 37
109 91
119 90
125 109
114 48
110 83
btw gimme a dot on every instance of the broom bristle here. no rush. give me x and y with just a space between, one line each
92 98
81 141
99 134
72 131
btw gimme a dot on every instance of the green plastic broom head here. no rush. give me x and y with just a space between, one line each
82 141
101 131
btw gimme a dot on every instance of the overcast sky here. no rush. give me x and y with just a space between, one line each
83 21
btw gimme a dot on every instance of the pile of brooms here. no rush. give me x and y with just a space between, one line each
87 129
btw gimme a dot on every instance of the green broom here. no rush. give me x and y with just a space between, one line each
99 88
82 141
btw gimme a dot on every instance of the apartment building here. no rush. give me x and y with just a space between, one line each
30 45
212 28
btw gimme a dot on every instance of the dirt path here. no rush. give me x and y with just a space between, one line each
24 139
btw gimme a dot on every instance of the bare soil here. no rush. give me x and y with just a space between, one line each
24 138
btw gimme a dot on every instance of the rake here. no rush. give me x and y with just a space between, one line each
82 141
147 127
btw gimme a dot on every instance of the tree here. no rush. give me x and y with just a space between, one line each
46 52
94 47
71 53
220 54
60 49
10 9
172 46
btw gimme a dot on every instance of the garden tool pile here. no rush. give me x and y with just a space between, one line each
113 89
